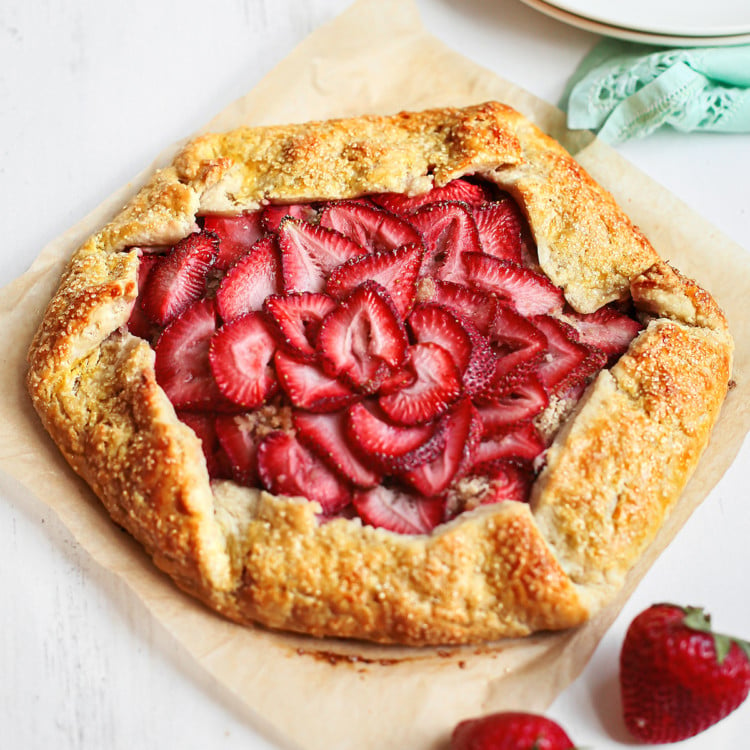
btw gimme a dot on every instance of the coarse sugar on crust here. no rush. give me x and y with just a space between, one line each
616 466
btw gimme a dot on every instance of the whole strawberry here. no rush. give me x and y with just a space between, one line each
677 676
510 731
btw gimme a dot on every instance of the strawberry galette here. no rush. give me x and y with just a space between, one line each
410 379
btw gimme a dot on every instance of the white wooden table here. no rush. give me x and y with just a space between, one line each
89 93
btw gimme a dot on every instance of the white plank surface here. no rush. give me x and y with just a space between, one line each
89 93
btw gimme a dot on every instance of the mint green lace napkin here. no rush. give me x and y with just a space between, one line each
625 90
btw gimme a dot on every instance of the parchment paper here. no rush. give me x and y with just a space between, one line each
375 58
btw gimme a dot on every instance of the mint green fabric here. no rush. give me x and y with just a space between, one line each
624 90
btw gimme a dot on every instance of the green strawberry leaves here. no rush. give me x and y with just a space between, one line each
697 619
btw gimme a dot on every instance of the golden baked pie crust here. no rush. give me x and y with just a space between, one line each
614 470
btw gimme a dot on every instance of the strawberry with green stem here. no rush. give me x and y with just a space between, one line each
677 676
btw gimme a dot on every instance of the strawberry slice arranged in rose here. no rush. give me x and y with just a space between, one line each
430 323
241 357
253 278
503 481
179 278
309 253
508 482
566 362
470 304
286 467
182 364
606 329
524 443
471 352
326 436
204 426
402 512
395 270
308 387
436 385
237 234
363 340
139 323
448 230
456 190
477 377
521 402
409 339
390 446
399 378
240 446
502 229
372 228
461 428
519 345
298 317
528 292
272 216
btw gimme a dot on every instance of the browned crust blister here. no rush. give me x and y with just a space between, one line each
613 471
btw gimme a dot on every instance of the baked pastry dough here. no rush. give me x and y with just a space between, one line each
613 471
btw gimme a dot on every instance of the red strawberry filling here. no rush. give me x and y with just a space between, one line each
392 358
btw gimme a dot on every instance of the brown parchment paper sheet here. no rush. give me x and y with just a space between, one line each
375 58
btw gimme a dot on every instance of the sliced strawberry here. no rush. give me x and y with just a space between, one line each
241 356
139 323
204 426
471 351
241 447
390 446
482 366
471 304
502 230
286 467
363 339
522 402
348 512
606 329
529 292
237 234
179 278
399 511
436 386
272 216
448 230
524 443
182 365
308 387
401 377
325 435
309 253
431 323
462 429
370 227
395 270
519 345
508 481
501 481
456 190
566 361
298 318
253 278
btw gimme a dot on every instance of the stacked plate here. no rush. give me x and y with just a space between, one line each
662 22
